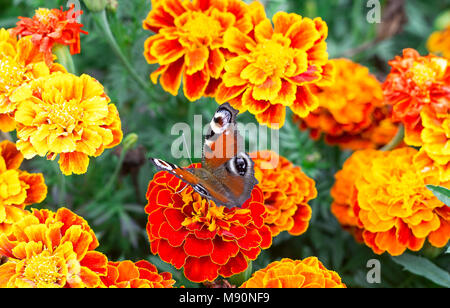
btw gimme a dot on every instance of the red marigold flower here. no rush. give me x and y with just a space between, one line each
18 188
275 66
286 190
52 26
389 201
142 274
287 273
195 234
51 250
415 82
351 110
188 42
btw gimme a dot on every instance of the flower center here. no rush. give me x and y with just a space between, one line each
274 56
44 271
202 27
11 74
422 74
43 15
64 113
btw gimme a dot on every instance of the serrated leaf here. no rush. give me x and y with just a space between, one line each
442 193
423 267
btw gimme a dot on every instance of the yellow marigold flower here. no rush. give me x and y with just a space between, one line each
287 273
66 115
390 203
351 113
20 62
439 42
287 191
17 188
51 250
275 66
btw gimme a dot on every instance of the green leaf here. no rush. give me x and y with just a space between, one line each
423 267
441 193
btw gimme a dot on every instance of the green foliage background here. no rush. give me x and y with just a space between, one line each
118 217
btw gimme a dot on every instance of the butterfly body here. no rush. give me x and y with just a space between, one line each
227 173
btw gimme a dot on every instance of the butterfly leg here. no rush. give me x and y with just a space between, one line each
179 192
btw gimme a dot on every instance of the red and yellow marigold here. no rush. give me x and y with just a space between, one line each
49 27
188 43
351 113
286 190
20 62
142 274
390 207
51 250
275 66
17 188
439 42
416 82
195 234
287 273
66 115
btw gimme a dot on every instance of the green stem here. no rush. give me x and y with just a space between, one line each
102 21
398 138
112 180
65 58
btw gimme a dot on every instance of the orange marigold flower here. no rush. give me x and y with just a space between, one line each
189 42
205 239
439 42
50 27
286 190
142 274
415 82
390 203
351 112
51 250
275 66
20 62
344 187
287 273
17 188
66 115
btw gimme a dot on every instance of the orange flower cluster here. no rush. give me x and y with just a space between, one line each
439 42
66 115
275 66
351 113
204 239
50 27
142 274
287 273
51 250
286 190
189 42
382 197
20 62
18 188
418 89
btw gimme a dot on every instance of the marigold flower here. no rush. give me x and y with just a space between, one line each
20 62
439 42
52 26
390 203
189 42
142 274
205 239
351 113
415 82
287 273
51 250
286 190
66 115
17 188
275 66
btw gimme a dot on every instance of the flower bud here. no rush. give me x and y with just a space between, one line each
95 5
129 141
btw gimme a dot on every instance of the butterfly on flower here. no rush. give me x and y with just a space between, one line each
227 175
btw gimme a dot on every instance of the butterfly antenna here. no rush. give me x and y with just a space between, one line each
185 145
